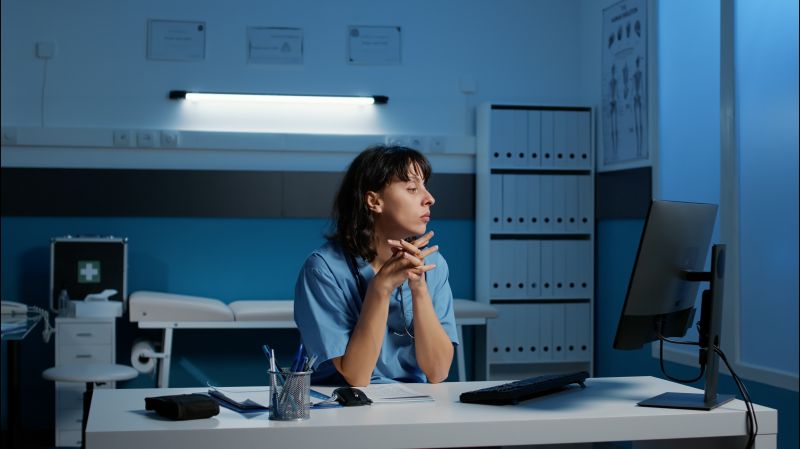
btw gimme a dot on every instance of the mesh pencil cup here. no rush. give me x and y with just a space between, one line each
289 400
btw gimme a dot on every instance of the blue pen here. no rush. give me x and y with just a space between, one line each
298 359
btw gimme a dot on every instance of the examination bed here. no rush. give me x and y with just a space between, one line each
167 311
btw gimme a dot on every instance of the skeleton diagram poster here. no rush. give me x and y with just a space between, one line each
624 65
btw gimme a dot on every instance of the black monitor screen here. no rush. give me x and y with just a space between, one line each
675 239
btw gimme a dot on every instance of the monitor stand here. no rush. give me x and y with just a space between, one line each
710 327
690 401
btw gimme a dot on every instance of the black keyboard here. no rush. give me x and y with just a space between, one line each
515 392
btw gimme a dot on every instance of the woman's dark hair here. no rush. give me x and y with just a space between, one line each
371 170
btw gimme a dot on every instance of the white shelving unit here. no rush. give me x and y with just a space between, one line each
535 237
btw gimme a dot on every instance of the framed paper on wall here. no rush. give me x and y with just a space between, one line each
624 118
176 40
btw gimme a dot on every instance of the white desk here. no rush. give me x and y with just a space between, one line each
605 411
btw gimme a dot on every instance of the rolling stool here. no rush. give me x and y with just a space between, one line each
90 374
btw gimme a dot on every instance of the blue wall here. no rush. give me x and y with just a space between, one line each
228 259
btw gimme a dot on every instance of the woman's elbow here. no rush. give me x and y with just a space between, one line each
438 375
354 379
357 381
438 379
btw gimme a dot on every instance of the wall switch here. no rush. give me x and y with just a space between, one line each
468 84
146 139
122 138
45 50
170 139
9 136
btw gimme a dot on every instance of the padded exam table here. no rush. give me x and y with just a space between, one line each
167 311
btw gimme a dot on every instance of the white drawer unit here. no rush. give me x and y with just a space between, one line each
79 341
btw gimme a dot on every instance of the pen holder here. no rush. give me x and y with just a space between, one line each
289 400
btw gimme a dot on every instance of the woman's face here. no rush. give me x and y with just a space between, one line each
403 207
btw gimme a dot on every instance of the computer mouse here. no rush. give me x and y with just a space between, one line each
349 397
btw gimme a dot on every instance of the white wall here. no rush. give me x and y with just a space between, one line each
514 50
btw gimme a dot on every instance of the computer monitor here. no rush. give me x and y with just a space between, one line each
663 287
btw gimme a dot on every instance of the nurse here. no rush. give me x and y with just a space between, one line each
374 303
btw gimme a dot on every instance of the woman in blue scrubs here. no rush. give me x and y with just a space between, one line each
374 303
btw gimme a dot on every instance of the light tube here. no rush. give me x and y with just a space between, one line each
272 98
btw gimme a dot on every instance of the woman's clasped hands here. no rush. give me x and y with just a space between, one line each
408 262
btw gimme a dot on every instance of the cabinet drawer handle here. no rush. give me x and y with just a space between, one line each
83 356
83 334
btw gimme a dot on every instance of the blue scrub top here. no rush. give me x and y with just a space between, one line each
327 306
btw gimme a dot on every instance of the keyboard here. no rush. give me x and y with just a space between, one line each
520 390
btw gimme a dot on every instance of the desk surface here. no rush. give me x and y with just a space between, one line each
604 411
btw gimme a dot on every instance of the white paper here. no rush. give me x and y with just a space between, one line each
393 393
172 40
373 45
273 45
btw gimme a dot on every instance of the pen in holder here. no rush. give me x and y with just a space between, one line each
290 401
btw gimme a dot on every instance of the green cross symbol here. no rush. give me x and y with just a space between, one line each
88 271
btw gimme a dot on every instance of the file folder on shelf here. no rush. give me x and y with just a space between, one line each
534 204
546 331
546 196
571 214
548 146
519 252
559 204
586 223
572 158
547 268
523 192
496 203
559 138
557 311
534 139
584 140
509 203
534 269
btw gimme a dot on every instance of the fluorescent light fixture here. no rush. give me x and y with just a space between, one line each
273 98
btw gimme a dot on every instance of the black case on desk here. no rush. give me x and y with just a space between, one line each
84 265
183 406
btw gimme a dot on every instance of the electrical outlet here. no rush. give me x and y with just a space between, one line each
394 140
146 139
170 139
9 136
122 138
45 50
416 142
438 144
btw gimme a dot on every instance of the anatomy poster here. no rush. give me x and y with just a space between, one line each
624 65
